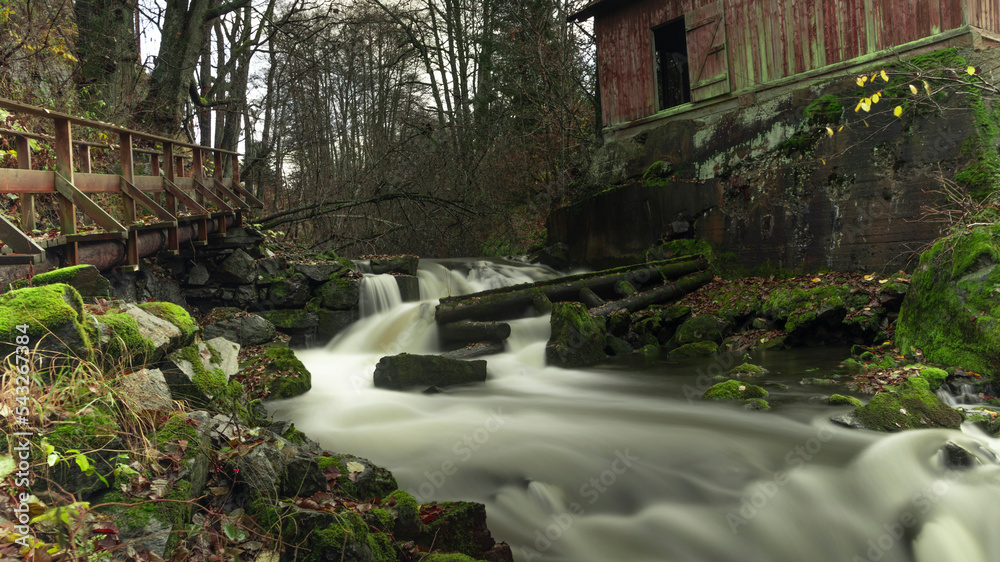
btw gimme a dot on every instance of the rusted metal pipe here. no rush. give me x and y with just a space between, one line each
108 253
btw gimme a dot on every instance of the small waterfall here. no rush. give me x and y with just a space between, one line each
379 293
966 394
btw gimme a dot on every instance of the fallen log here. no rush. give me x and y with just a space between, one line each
663 293
467 331
474 350
512 302
590 298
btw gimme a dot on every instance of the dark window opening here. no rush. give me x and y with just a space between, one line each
673 85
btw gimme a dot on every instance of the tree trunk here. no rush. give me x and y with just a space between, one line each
511 302
474 350
472 332
106 49
656 295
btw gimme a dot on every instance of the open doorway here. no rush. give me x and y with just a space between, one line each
670 64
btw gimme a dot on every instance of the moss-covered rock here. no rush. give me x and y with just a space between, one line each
577 338
404 264
799 307
357 477
50 317
746 370
340 293
122 341
910 405
705 327
290 292
398 372
696 349
734 390
176 315
287 375
757 404
92 433
951 311
458 527
86 279
841 400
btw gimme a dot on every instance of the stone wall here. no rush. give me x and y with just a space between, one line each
767 186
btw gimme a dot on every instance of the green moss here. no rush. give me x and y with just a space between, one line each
42 309
747 369
126 340
824 111
757 404
61 275
295 436
326 462
951 311
292 377
935 377
211 383
453 557
705 327
943 58
799 307
801 143
734 390
696 349
659 170
681 247
577 337
351 535
841 400
176 315
911 405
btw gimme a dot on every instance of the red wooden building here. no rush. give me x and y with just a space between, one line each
670 56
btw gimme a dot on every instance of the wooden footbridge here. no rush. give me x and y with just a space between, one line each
188 196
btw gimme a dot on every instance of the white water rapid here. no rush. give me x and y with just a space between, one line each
615 463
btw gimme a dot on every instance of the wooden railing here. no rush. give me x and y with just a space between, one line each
162 193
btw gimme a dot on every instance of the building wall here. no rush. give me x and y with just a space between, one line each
769 39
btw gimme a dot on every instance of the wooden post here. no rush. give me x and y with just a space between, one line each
217 158
235 161
154 165
173 242
27 199
84 164
64 170
128 172
197 171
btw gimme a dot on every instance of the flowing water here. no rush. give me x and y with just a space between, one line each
622 462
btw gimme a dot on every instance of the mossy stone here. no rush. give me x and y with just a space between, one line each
910 405
747 369
951 311
704 327
841 400
86 279
696 349
577 337
291 378
51 314
176 315
734 390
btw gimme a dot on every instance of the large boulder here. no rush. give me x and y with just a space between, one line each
201 372
48 318
340 293
577 338
247 330
290 292
910 405
952 310
402 371
86 279
704 327
238 268
319 272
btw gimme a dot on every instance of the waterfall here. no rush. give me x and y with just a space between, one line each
379 293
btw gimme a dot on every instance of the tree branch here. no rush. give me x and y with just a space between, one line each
224 9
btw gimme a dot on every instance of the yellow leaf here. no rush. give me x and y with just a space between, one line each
971 70
866 105
885 77
858 107
829 131
862 80
927 87
913 89
874 76
816 279
824 163
898 111
875 98
865 121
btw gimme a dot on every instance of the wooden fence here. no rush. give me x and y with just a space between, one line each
161 194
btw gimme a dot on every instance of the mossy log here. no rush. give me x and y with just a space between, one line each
590 298
474 350
656 295
511 302
467 331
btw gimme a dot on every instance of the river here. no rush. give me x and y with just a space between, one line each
622 462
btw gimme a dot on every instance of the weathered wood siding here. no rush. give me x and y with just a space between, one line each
768 39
